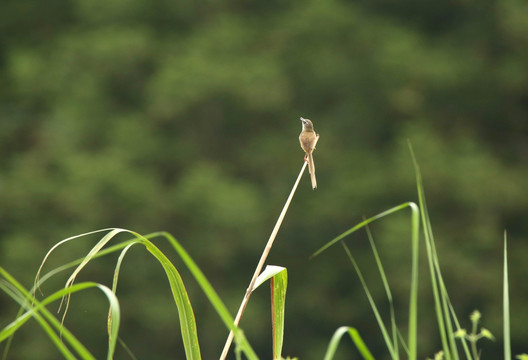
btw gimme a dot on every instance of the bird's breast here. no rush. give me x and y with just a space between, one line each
307 139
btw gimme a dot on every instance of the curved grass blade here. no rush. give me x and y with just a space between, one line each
45 325
115 280
269 272
37 277
278 276
37 310
185 312
179 293
356 339
202 281
359 226
47 321
218 304
51 273
91 254
100 244
413 299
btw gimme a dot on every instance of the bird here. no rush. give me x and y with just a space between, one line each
308 138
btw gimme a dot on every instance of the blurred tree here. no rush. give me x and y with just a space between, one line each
178 116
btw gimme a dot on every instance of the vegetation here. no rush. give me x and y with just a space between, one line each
446 316
183 117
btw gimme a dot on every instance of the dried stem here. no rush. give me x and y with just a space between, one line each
260 265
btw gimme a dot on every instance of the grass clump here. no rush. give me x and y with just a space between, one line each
398 345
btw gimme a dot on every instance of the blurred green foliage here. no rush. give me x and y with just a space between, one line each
183 116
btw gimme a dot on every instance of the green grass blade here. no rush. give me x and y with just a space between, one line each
429 250
12 292
413 301
269 272
106 251
381 325
413 296
359 226
211 294
437 284
411 348
279 284
463 340
186 315
506 303
174 280
114 320
119 262
388 293
179 293
38 311
356 339
59 269
46 320
127 349
91 254
447 308
60 243
403 343
116 278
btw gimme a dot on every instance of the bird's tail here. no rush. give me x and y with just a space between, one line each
311 169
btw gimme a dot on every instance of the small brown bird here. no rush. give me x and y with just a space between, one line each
308 139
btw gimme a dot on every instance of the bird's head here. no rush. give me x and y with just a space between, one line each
306 124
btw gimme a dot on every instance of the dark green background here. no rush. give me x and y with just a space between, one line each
183 116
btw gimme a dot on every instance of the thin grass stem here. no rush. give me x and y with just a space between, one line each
388 293
506 304
260 265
